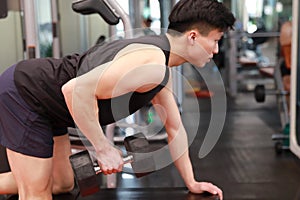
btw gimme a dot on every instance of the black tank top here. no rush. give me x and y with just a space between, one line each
39 82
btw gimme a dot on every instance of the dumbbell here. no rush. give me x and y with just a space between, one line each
139 155
260 93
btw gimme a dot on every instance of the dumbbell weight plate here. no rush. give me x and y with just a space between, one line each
138 146
260 93
84 173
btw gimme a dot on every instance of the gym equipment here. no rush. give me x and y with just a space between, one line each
31 48
282 140
56 49
295 80
138 146
85 172
139 155
260 93
87 7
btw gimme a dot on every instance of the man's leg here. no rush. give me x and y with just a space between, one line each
7 180
32 175
287 86
8 184
63 178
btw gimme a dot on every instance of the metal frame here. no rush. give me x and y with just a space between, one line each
281 99
295 76
31 46
123 15
30 32
56 49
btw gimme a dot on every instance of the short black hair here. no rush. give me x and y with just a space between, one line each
204 15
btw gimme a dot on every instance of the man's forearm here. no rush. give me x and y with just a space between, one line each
180 153
184 166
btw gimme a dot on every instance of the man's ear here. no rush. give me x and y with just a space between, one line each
192 36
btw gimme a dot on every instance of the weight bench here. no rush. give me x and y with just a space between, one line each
150 194
136 193
267 71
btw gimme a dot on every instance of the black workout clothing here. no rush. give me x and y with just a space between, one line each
21 128
39 82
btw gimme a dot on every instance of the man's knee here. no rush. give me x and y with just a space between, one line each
63 186
7 184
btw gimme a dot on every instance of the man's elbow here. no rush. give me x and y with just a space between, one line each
67 89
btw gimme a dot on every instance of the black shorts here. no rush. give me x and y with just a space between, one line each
284 70
21 129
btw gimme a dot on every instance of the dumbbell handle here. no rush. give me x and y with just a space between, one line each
126 160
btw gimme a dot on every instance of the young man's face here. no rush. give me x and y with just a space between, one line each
204 47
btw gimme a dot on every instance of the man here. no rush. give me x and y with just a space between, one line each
40 98
285 41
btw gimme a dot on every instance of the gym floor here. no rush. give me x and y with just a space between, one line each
243 163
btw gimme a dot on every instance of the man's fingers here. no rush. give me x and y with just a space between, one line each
209 187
